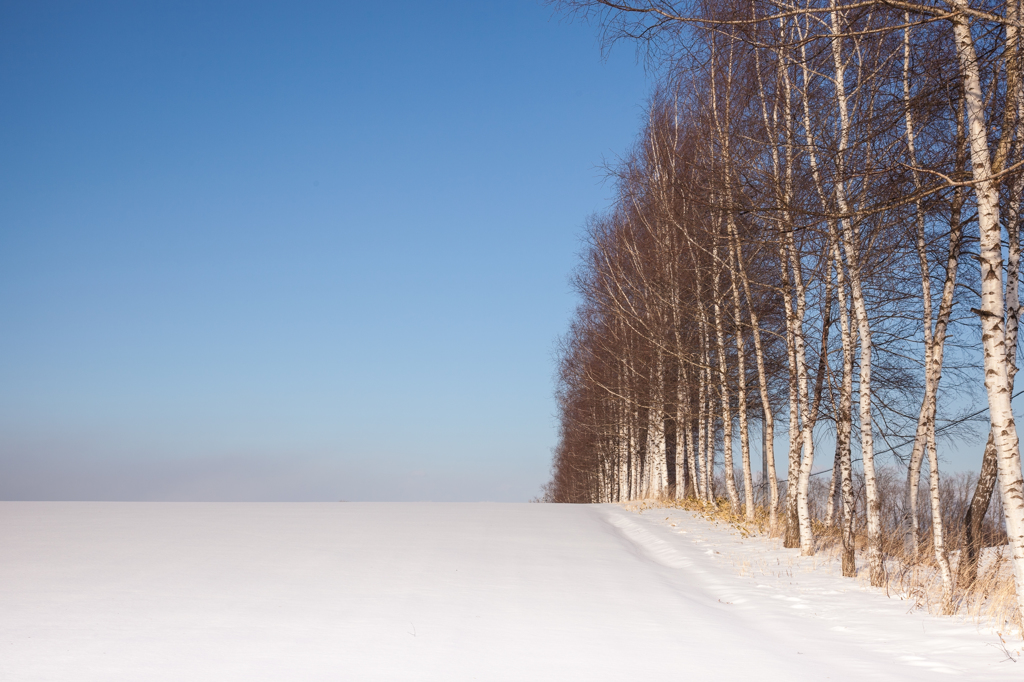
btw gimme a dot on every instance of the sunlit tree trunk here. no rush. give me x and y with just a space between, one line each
657 454
723 386
993 336
741 371
987 477
844 419
703 436
768 417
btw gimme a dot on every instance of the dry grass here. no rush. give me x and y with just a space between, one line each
719 512
989 600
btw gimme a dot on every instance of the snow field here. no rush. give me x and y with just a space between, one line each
420 591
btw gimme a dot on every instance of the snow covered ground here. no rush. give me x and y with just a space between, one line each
367 591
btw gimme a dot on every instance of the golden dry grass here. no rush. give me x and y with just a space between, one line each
989 600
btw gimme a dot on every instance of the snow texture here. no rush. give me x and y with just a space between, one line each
419 591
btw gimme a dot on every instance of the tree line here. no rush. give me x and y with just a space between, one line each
817 229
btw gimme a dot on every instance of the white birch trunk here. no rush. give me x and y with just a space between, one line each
656 452
851 247
741 369
844 418
702 438
723 390
997 385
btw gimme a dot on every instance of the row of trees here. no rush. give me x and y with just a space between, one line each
823 195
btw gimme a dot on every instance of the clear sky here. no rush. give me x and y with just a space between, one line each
293 251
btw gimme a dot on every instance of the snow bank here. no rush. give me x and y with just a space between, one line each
366 591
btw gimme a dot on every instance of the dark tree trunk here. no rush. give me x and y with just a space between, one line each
968 568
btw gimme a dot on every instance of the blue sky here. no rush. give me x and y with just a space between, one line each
296 251
293 251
